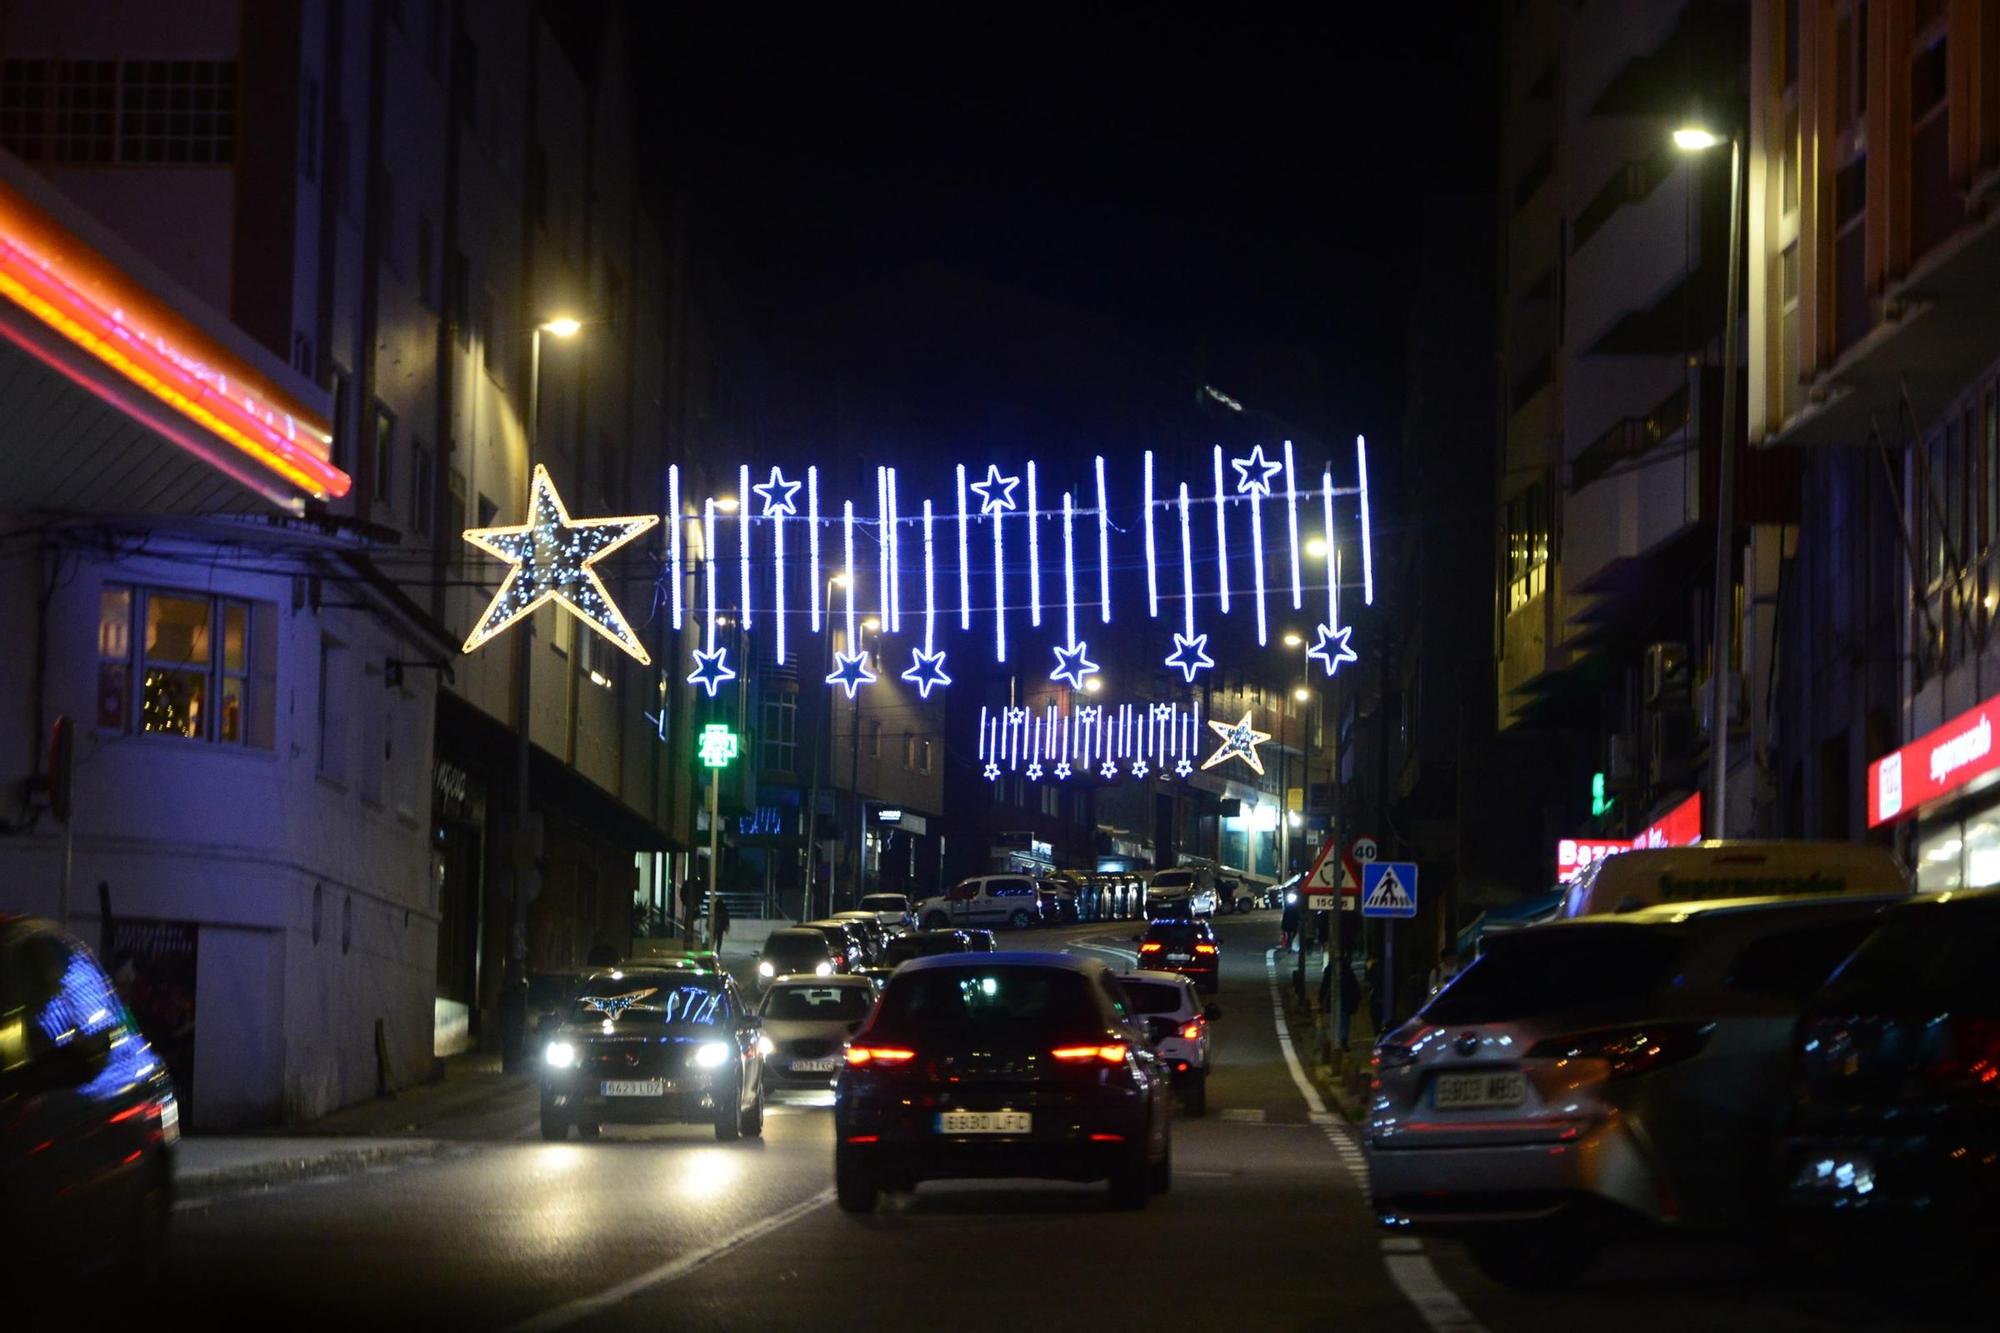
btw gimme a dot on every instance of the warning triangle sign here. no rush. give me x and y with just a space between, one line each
1389 893
1322 875
1347 881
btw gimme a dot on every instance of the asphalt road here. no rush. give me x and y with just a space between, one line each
1266 1227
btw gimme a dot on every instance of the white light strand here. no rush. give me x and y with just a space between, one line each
1221 535
1034 553
1069 574
1367 537
1332 551
1292 528
1187 564
964 562
999 590
882 547
812 535
778 585
708 561
982 733
743 535
1103 548
930 585
895 621
1152 564
674 540
1257 559
847 536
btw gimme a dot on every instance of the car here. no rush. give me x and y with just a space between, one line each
984 900
1185 946
89 1123
1888 1160
1010 1064
850 941
923 943
979 941
807 1021
1188 885
1058 901
874 933
655 1046
1606 1076
891 909
1176 1023
796 951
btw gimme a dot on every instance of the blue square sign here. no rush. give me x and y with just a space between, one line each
1389 888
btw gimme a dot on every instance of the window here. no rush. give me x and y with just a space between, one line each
924 754
131 111
178 111
333 709
910 750
343 426
595 655
1793 964
205 668
1528 542
423 487
302 354
781 731
385 453
874 739
1051 799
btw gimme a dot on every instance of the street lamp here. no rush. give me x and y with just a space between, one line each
1091 684
1293 639
726 505
1316 547
1696 139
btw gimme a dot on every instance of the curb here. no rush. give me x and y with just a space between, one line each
1305 1037
222 1180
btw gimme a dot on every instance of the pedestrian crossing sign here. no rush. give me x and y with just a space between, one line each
1389 888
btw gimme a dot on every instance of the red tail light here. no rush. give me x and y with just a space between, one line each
1192 1032
1628 1051
1971 1055
1150 946
1204 948
879 1055
1112 1054
840 960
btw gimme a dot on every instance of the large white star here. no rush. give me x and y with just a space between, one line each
1265 468
777 494
1190 655
1330 647
1239 741
553 558
996 493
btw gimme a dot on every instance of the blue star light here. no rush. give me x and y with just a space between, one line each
996 493
1330 648
1139 769
1072 665
1265 468
926 672
1190 655
777 494
710 670
992 771
1063 769
850 672
1034 771
1182 766
1110 769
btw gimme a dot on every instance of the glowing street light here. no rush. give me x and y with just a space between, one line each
562 326
726 505
1694 139
1292 639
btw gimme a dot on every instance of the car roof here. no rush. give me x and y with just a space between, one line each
1007 958
1748 908
1162 978
794 933
650 973
811 979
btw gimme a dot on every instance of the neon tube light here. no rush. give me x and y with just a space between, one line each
1367 538
1152 560
1221 535
1292 528
1034 554
1103 548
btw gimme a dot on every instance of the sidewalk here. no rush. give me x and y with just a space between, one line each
1342 1076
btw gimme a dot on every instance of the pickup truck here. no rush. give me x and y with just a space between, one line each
984 900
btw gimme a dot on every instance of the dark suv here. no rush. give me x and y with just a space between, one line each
1186 947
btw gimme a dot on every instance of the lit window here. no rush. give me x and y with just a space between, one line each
203 668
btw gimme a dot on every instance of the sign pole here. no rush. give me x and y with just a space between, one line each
718 746
714 827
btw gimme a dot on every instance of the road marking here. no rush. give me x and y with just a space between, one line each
1423 1288
1244 1115
1306 1089
565 1315
1129 957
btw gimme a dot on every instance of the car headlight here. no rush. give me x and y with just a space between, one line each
765 1047
559 1055
711 1055
766 970
1291 897
823 970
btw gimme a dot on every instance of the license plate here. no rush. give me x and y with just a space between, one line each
634 1087
984 1122
826 1066
1471 1091
1180 958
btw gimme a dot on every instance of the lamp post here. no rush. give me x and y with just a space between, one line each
1694 139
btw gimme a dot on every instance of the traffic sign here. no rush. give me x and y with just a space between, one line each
1321 885
1389 888
1363 849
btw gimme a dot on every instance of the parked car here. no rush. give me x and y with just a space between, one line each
1183 946
850 941
891 909
874 934
922 944
979 941
88 1126
1189 889
1603 1076
1001 1065
655 1046
1176 1023
807 1021
1889 1161
796 951
1058 902
984 900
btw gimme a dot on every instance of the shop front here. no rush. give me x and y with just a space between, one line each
1948 781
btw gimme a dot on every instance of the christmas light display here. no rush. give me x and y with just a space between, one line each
1239 741
1264 468
926 672
553 559
1221 535
777 495
1292 528
1367 538
1144 739
1103 546
812 540
674 537
711 669
1072 662
850 669
1330 647
1034 554
743 539
964 560
1190 653
996 493
1152 560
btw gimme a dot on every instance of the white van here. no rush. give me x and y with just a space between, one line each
1193 884
1733 871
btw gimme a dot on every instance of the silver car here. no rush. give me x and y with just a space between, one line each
807 1020
1599 1075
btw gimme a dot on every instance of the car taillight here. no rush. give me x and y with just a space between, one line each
1111 1054
1150 946
1192 1032
1204 948
879 1055
1970 1056
1628 1051
840 960
1392 1055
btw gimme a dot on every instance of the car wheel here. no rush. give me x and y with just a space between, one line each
1160 1178
1196 1096
1131 1180
854 1183
753 1120
1019 920
1531 1257
729 1118
554 1128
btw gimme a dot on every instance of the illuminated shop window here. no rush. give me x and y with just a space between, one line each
186 664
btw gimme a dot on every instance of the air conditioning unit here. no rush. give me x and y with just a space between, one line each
1666 674
1621 762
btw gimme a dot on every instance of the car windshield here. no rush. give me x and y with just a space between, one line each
813 1003
1173 879
1152 997
1603 972
1003 1001
642 999
885 902
788 949
905 947
1932 956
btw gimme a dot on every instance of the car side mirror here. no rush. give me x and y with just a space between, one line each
1213 1012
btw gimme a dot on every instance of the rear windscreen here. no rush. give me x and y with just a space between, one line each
1601 972
905 947
796 949
807 1003
1004 1000
1151 997
885 902
1941 955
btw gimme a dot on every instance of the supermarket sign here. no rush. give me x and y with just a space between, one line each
1951 757
1679 827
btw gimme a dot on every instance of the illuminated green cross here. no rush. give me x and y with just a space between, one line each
718 745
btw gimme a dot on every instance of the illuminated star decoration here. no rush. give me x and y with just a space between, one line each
1109 769
1034 771
710 670
1139 768
926 672
1239 741
1063 769
777 494
850 672
996 493
992 771
613 1005
553 559
1330 649
1190 655
1182 766
1265 468
1072 665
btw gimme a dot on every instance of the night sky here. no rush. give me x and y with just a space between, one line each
959 212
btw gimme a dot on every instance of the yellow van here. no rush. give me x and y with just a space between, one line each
1733 871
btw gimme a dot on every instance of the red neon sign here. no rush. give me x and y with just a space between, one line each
1679 827
1942 761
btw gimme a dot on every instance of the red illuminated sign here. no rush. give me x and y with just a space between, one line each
1932 765
1573 854
1679 827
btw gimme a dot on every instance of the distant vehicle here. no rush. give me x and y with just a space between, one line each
1187 885
979 941
795 951
807 1021
874 933
1733 871
1176 1023
849 940
1183 946
891 909
1888 1160
984 900
1058 901
88 1121
1001 1065
922 944
655 1046
1619 1072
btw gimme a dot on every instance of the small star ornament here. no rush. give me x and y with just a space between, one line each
926 672
1063 769
554 559
1073 664
710 670
777 494
1183 767
850 672
996 493
1239 741
1263 469
1330 647
1034 770
1109 769
1190 655
992 771
1139 769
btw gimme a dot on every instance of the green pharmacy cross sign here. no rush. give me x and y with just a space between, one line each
718 745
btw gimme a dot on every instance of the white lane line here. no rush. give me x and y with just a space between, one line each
1129 957
565 1315
1423 1288
1306 1089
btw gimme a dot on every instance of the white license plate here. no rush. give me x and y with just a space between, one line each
826 1066
634 1087
1180 958
984 1122
1463 1092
